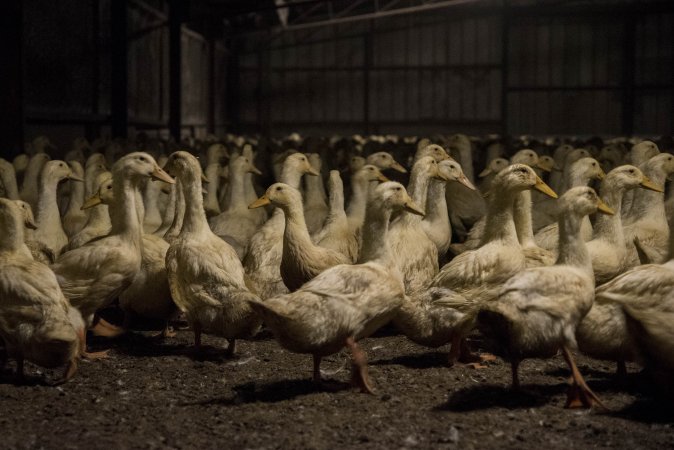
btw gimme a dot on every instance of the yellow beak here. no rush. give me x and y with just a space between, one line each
398 167
382 178
544 188
411 207
485 172
262 201
159 174
601 175
648 184
91 202
604 208
75 178
254 170
204 179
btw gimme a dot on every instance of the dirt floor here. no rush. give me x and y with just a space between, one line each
158 395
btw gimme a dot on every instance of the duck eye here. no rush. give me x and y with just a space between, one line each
142 158
631 170
278 188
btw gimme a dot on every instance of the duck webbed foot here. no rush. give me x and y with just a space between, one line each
83 348
359 374
579 395
70 371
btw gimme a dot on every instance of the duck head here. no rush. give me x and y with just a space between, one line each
520 177
384 160
451 170
140 165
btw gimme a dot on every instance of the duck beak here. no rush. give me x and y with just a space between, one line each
262 201
311 171
398 167
485 172
74 177
254 170
159 174
543 167
204 179
411 207
30 224
648 184
91 202
604 208
601 175
544 188
466 182
382 178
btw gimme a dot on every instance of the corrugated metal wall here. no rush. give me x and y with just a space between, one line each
67 76
440 72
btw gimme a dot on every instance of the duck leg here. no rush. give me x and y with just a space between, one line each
317 369
83 348
514 367
70 371
231 348
471 359
20 376
106 329
196 326
166 332
359 375
580 395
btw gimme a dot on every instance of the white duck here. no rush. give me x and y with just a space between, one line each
647 219
336 234
608 247
205 274
95 274
436 223
347 302
415 253
75 218
477 275
493 167
580 173
98 223
30 186
8 183
263 260
36 321
315 200
49 227
237 224
537 311
301 260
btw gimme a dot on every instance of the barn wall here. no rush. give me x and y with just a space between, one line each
67 76
441 72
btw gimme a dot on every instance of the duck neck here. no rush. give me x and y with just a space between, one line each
195 216
99 217
418 190
178 210
30 178
574 179
499 224
76 197
151 198
315 191
375 246
213 176
48 217
522 218
436 205
9 183
124 215
572 249
12 239
296 235
466 157
291 176
237 191
169 212
609 227
357 204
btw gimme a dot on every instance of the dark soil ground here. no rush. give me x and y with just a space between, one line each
157 395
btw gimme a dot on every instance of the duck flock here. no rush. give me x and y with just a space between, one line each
534 259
